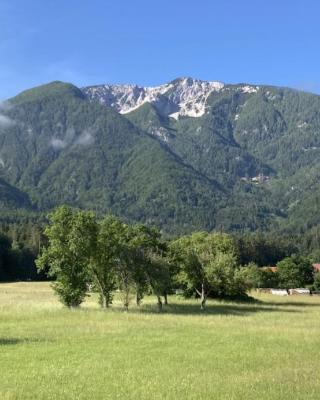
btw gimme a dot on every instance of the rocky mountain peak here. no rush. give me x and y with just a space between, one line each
181 97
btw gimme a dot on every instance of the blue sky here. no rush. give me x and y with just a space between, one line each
150 42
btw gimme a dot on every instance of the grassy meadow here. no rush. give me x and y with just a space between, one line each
263 350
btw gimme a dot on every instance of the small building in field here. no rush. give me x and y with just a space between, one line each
300 291
279 292
264 290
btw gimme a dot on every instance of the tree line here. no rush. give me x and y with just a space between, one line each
83 251
19 246
137 259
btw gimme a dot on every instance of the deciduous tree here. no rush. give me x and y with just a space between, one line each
71 235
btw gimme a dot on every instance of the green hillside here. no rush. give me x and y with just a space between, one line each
63 149
12 198
250 162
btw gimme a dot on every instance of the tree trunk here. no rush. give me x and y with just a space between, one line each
203 303
159 303
126 301
138 298
165 299
105 298
203 298
104 302
126 293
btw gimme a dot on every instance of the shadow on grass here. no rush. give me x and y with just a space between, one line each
15 341
236 309
289 303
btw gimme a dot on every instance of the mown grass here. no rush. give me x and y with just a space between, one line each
263 350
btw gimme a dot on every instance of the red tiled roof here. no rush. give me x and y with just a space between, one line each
273 269
316 266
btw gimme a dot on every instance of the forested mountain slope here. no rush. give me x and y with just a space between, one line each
60 148
185 155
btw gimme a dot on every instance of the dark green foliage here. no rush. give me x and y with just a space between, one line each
316 284
268 278
264 250
248 277
103 257
5 247
295 272
19 246
152 270
12 198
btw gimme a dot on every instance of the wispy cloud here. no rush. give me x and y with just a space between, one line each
5 121
85 139
58 144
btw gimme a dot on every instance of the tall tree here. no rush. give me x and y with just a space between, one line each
71 236
150 266
105 257
207 260
125 260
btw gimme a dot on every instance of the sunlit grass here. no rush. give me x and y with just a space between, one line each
263 350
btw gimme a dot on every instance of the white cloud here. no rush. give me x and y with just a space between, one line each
5 121
70 134
58 144
85 139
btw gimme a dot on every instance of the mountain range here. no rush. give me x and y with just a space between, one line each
186 155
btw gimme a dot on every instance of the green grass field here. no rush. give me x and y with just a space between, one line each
265 350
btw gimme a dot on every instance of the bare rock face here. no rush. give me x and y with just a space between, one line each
181 97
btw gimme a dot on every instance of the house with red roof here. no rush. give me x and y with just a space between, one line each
316 267
271 268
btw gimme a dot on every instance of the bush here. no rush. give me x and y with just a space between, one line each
269 278
316 283
295 272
